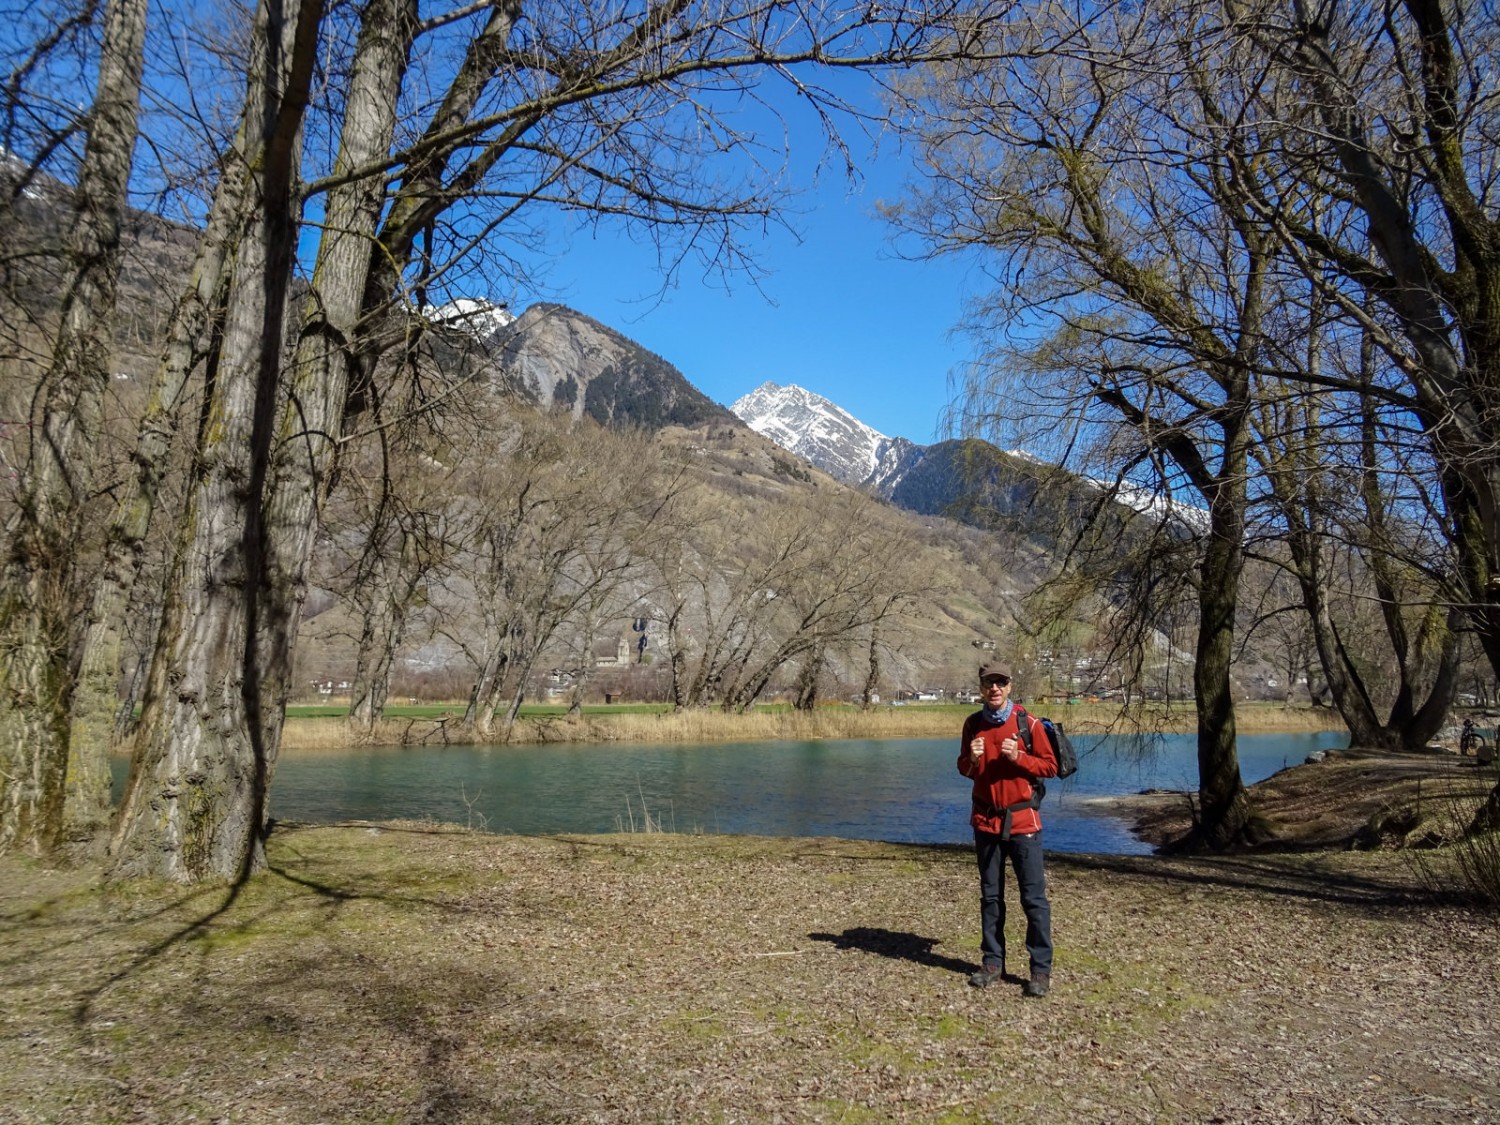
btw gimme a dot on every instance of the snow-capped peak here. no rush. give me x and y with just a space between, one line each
818 431
475 315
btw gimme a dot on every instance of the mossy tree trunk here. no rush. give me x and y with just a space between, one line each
46 792
192 339
206 748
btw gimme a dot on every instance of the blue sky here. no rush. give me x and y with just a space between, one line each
842 313
851 320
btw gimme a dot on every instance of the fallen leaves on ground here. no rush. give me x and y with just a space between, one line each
410 973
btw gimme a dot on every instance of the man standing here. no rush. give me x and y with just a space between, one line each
1007 825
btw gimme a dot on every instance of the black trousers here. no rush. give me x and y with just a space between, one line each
1025 855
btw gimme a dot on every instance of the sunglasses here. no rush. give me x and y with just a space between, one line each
997 681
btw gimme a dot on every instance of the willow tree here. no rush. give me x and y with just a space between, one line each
1344 150
1382 186
1354 528
1137 296
552 523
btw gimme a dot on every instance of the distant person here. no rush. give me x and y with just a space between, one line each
1007 825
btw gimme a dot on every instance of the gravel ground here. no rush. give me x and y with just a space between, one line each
410 973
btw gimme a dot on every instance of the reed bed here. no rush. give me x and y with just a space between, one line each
769 724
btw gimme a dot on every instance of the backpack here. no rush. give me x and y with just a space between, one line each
1067 760
1067 763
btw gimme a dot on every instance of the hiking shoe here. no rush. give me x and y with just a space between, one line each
986 976
1037 986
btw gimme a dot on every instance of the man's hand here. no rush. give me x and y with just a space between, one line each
976 748
1010 749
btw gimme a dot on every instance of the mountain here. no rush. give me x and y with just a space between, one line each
478 317
965 479
566 361
563 361
828 436
156 257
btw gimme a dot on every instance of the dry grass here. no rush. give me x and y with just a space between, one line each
766 725
409 973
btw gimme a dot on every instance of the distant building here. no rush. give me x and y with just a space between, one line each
612 654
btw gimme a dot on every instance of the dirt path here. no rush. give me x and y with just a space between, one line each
415 973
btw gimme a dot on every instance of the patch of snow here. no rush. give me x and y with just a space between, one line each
477 316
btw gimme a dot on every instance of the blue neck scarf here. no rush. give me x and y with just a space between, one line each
998 717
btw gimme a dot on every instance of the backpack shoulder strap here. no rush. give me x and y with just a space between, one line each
1023 727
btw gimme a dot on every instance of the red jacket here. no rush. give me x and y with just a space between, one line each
998 781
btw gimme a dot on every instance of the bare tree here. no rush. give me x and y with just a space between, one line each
584 552
1092 167
812 583
554 530
1381 185
1339 534
837 573
502 527
638 499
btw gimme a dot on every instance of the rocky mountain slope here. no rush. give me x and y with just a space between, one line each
966 479
566 361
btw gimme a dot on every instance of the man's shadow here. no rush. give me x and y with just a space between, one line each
893 943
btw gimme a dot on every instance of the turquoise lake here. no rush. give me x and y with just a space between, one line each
900 790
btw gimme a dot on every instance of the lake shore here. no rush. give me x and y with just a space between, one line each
414 972
436 725
1348 798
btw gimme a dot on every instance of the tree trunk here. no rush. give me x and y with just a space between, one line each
807 680
1225 814
386 588
206 750
677 658
197 322
1224 806
333 321
872 676
485 695
380 636
1432 715
1341 678
1486 816
38 598
585 668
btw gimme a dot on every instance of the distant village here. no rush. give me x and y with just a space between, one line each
622 669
